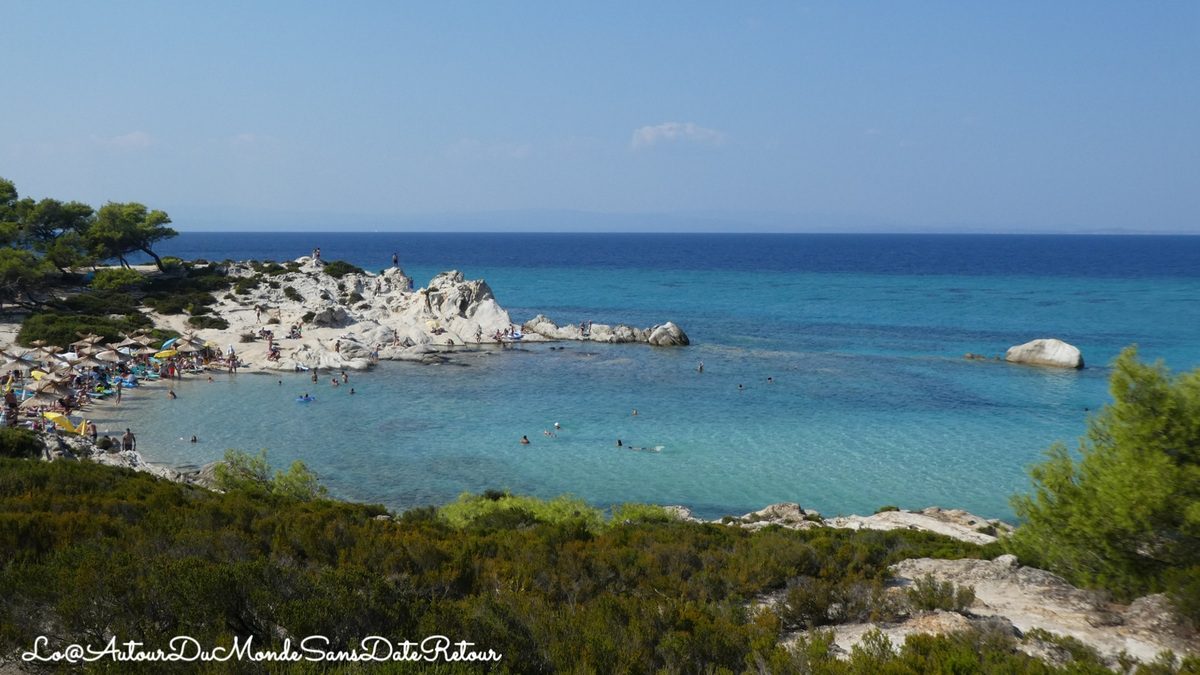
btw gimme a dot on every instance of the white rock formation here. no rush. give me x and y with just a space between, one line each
954 523
1045 352
664 335
350 322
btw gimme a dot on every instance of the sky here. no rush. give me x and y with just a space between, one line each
660 116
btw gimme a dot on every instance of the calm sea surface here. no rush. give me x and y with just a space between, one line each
863 335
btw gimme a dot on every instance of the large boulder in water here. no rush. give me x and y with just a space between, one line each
667 335
1045 352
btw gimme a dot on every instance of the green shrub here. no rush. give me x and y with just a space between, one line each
20 443
292 294
245 284
355 296
248 337
191 302
208 322
929 594
340 268
888 507
471 509
641 513
528 578
99 303
63 329
308 316
241 472
1125 516
117 278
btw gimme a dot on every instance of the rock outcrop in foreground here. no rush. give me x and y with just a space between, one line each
1019 599
1045 352
954 523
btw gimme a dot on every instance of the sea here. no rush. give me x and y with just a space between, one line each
834 371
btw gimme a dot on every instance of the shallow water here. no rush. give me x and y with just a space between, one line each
872 402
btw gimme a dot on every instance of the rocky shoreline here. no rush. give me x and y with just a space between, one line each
351 320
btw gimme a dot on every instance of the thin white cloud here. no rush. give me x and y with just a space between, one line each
673 132
130 141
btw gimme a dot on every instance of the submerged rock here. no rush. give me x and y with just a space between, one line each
1045 352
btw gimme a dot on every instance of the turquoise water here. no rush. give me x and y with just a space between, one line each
872 402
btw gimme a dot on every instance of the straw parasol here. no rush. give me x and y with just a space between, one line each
17 361
87 340
111 356
130 342
86 361
40 398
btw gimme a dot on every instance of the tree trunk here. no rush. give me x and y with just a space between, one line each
157 260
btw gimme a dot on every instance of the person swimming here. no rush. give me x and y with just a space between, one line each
194 440
619 444
524 440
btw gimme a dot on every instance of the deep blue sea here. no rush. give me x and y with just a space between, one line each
864 335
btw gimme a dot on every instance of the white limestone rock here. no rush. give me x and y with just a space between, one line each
667 335
1045 352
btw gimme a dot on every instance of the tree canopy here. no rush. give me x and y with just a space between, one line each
1125 514
71 235
123 228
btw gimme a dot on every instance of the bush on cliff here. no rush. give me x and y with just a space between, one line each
1125 515
340 268
242 472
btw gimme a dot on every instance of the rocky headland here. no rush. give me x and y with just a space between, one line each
351 319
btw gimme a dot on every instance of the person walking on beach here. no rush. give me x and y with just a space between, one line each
118 393
128 441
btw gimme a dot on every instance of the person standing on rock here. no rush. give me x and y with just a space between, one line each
395 260
128 441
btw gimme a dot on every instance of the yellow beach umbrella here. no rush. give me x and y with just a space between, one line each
166 353
62 421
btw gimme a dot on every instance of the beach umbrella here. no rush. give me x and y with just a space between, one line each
170 342
86 361
112 356
165 354
130 342
61 421
146 351
17 361
87 340
40 398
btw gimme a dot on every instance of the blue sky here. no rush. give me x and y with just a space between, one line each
870 116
